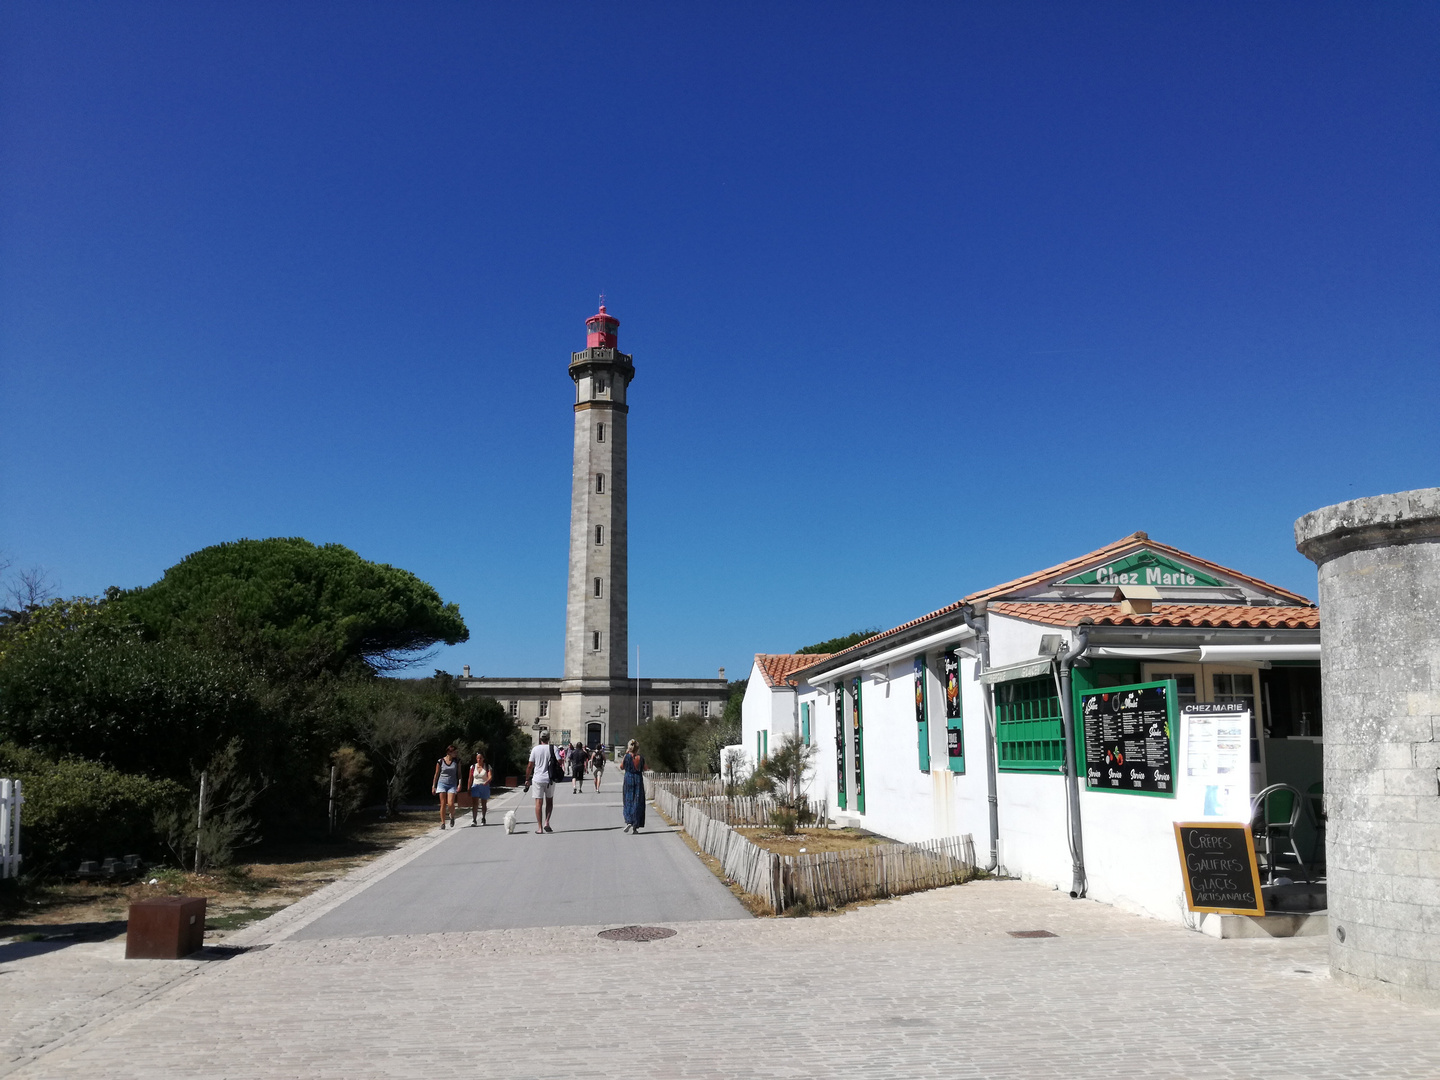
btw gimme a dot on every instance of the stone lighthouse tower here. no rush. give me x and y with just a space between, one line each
595 690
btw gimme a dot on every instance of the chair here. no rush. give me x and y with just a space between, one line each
1274 814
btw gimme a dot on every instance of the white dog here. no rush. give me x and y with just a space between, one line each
509 821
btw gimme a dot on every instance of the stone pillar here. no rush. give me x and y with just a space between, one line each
1379 571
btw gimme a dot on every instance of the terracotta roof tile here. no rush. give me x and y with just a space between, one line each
1213 615
1133 542
775 667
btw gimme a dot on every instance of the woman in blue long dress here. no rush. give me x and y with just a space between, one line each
634 769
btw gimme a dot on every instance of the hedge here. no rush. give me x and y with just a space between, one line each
76 809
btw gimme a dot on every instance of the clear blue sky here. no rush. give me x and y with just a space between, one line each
921 296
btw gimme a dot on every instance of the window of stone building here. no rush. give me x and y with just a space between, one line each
514 708
705 709
647 710
600 432
595 640
600 483
674 709
601 388
544 708
599 590
599 534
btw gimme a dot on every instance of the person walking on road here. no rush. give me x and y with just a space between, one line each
544 771
479 788
598 764
576 759
634 769
446 783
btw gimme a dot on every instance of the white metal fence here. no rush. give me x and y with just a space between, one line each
11 799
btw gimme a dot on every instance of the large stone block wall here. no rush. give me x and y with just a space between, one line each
1379 579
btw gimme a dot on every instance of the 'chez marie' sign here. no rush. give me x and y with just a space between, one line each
1144 568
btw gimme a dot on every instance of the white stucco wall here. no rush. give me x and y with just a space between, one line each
765 708
1129 839
901 800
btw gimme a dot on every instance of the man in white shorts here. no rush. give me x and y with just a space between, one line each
537 772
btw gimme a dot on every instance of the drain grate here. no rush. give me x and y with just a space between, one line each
637 933
1030 933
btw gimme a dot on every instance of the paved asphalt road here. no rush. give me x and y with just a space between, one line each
586 872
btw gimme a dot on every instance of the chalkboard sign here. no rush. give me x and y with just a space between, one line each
1128 738
1218 864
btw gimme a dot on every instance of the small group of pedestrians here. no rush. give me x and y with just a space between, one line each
446 784
545 771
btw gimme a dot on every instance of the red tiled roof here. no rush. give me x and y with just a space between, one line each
1133 542
774 667
1124 546
1227 615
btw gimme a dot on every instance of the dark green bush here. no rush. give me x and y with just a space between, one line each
76 809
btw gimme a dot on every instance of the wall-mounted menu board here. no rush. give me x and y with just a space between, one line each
1217 861
1128 736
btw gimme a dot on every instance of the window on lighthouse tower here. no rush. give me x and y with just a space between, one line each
600 432
599 534
600 483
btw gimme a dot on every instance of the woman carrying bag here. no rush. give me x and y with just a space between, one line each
634 769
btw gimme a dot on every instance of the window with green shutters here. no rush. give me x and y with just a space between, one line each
805 724
1027 725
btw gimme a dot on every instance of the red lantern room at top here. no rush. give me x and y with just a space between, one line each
600 330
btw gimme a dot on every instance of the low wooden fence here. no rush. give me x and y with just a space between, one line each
11 799
824 879
756 811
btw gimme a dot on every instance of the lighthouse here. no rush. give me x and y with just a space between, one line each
594 689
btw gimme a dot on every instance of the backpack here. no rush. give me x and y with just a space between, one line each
557 771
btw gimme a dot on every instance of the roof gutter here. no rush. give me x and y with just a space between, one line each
865 663
970 613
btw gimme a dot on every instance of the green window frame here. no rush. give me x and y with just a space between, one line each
1028 726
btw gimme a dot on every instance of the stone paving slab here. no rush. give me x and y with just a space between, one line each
927 985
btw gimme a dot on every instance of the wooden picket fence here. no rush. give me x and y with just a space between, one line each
11 799
756 811
821 880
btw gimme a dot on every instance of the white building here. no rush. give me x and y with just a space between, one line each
769 710
920 727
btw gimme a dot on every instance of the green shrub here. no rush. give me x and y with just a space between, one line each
76 809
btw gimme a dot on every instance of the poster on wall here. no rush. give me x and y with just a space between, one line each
920 690
1128 744
1217 761
858 725
952 686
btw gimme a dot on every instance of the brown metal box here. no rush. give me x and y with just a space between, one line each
165 928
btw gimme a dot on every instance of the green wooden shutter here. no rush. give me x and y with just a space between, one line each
805 724
922 717
1027 725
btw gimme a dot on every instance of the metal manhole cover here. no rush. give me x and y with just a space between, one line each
637 933
1030 933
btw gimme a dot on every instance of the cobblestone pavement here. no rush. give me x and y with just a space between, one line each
927 985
